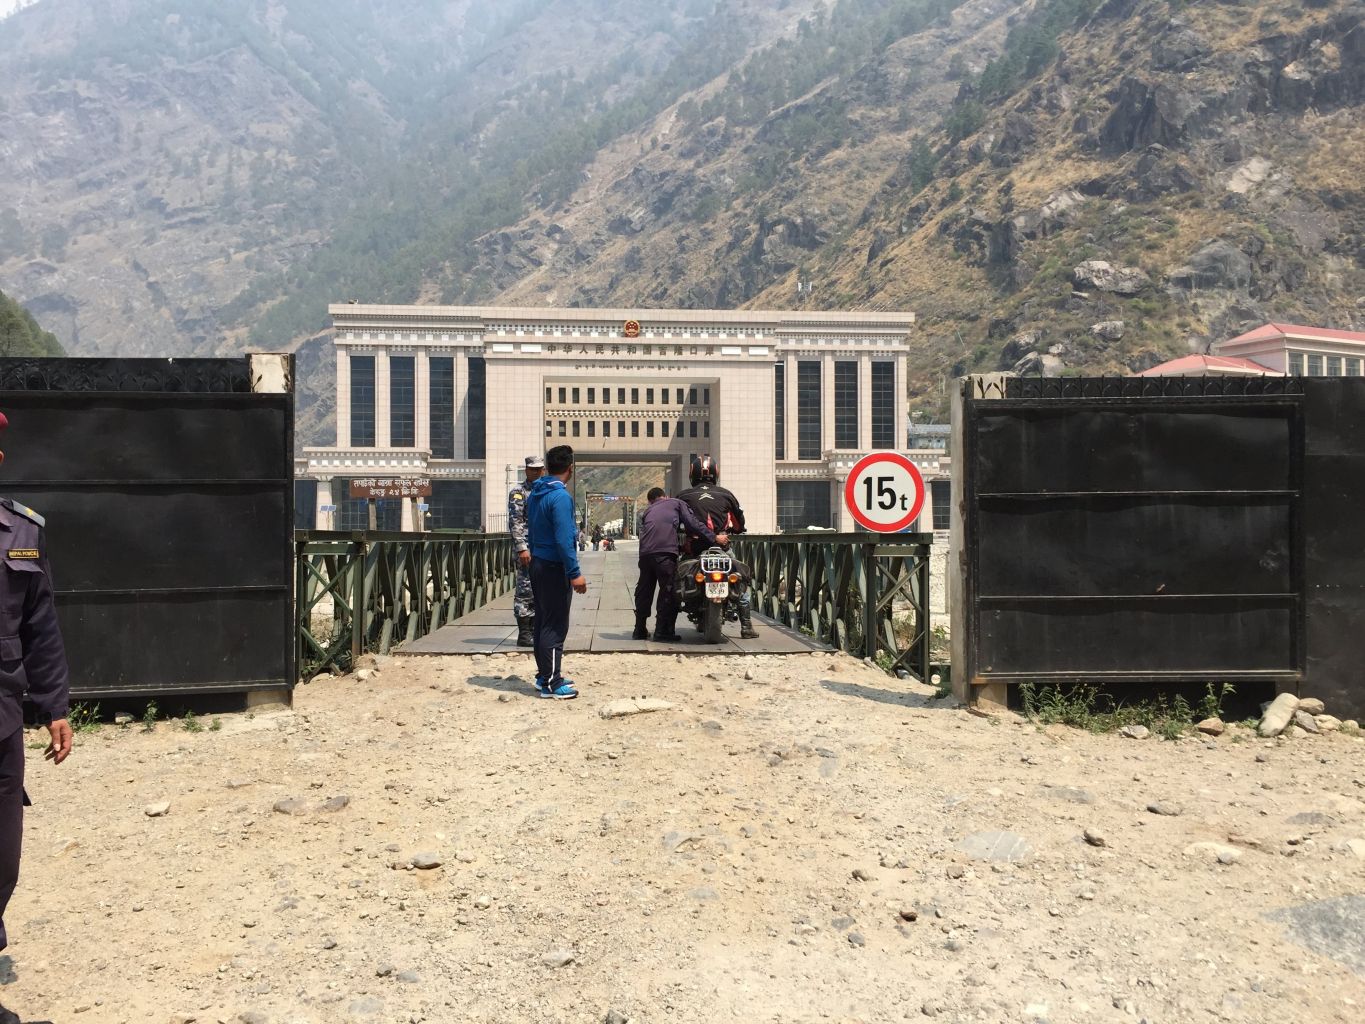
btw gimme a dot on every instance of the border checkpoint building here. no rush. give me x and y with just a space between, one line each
459 395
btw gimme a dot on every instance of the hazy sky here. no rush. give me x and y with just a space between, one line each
8 5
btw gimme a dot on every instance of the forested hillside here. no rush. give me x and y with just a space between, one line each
20 334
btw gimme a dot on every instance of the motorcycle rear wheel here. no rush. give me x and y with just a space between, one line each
713 617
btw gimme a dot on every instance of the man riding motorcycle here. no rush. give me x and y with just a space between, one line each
720 510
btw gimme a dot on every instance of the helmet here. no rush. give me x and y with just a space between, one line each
705 470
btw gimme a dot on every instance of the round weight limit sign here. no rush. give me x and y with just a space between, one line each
884 492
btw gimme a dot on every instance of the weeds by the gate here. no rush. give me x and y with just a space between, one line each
1086 707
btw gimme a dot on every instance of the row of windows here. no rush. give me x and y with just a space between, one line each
573 396
810 412
576 428
1323 366
403 405
453 505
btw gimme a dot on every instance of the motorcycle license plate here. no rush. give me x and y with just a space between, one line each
717 590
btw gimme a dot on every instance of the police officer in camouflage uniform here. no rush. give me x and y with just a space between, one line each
524 605
32 665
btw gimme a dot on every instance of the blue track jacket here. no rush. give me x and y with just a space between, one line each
554 534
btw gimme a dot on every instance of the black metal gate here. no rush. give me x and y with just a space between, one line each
168 492
1135 530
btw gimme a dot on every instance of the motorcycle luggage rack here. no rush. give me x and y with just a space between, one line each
715 563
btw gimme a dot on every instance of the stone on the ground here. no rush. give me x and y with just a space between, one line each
864 875
856 939
1306 722
384 970
558 958
293 805
1070 794
1278 715
425 861
1327 723
465 857
1295 732
1211 727
1135 732
1095 837
1000 847
1214 852
1351 725
1354 847
1311 705
1331 928
363 674
157 810
334 804
409 977
1165 808
123 718
616 1017
748 675
627 707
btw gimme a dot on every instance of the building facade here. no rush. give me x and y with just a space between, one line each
1300 351
458 395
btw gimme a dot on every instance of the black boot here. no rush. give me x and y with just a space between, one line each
526 631
641 630
665 631
746 623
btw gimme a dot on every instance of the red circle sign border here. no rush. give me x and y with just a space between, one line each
851 504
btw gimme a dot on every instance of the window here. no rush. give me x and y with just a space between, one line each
592 428
779 411
803 503
351 513
620 428
362 402
548 431
680 397
649 396
306 504
620 396
575 428
634 396
705 396
1296 364
477 407
942 496
808 441
1334 366
1353 367
563 429
442 394
691 396
883 405
691 428
592 396
649 429
455 504
1315 366
403 402
634 428
563 396
846 404
606 428
575 396
664 427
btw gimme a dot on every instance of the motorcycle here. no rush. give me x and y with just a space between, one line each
709 589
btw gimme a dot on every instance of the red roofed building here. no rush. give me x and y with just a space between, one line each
1300 351
1210 366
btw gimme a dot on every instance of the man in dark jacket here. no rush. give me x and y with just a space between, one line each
32 659
555 574
659 528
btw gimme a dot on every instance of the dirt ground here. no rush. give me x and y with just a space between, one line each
781 848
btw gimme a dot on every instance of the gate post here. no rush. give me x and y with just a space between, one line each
358 554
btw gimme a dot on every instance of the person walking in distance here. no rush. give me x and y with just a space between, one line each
523 605
555 575
32 658
659 528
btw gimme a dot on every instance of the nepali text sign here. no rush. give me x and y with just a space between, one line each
390 487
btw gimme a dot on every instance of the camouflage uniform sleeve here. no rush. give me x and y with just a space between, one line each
516 519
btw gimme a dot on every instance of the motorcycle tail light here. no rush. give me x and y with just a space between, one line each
719 577
734 577
701 577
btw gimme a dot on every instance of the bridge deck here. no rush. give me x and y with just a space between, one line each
602 622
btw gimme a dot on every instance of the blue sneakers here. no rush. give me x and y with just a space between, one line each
563 690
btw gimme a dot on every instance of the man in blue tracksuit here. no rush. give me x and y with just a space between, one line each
555 574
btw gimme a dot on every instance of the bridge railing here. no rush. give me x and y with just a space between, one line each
359 592
864 594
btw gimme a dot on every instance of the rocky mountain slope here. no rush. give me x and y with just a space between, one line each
20 334
1057 186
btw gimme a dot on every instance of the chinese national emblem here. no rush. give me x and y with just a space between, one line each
632 329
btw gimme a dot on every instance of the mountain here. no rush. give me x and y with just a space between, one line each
1055 186
20 334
